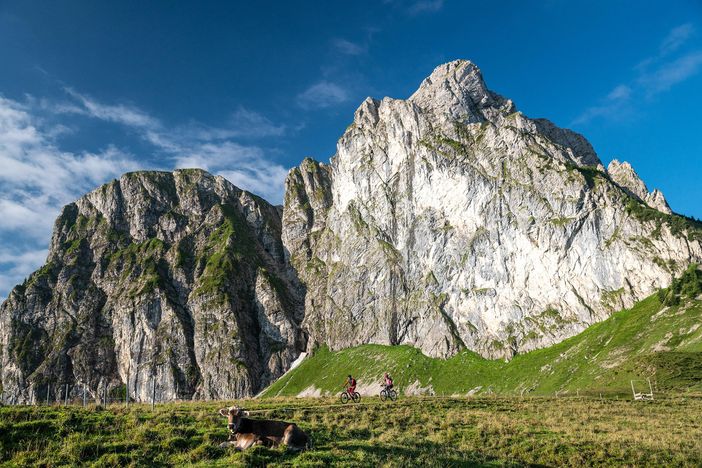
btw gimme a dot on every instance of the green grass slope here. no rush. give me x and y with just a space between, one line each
660 337
413 431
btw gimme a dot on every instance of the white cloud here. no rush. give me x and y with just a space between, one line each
671 73
37 178
619 93
203 146
676 38
243 123
424 6
416 7
655 74
29 216
18 265
122 114
262 179
349 48
614 106
244 166
321 95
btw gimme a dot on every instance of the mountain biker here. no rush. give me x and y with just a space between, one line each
350 385
388 381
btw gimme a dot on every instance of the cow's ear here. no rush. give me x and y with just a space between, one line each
223 412
246 413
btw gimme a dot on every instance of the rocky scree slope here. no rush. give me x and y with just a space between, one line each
176 276
450 220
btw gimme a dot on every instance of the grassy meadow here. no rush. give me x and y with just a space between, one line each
651 340
414 431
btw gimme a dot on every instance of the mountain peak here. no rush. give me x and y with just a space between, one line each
457 90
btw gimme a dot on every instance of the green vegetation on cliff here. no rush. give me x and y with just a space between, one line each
229 246
678 224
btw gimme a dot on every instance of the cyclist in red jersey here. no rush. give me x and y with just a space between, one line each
350 385
388 381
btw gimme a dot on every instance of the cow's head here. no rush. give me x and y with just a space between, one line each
233 415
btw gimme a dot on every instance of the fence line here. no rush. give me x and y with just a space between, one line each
78 394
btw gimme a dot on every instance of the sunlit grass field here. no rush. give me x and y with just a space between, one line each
650 340
413 431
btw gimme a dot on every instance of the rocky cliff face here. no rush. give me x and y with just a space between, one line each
445 221
176 276
450 220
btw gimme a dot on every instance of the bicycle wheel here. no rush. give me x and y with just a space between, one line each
392 395
356 397
383 395
344 397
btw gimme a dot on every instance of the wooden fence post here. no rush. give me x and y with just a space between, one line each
153 392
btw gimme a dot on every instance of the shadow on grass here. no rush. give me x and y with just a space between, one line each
426 454
363 454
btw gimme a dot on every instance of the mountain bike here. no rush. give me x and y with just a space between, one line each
346 396
386 393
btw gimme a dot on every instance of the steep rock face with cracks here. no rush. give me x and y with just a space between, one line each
178 277
450 220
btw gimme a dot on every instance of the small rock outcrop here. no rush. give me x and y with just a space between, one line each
178 277
626 177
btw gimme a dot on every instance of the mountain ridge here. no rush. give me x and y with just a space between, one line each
448 222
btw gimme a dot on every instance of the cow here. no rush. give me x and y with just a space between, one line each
243 441
248 432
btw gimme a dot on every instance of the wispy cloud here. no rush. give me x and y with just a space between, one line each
416 7
210 148
321 95
17 265
671 73
243 123
38 177
613 106
245 166
653 75
349 48
621 92
676 38
122 114
36 180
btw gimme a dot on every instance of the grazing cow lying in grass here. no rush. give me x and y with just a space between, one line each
245 432
244 441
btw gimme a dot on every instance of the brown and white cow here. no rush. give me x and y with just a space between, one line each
245 432
244 441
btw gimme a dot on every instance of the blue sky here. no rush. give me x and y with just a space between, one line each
89 90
